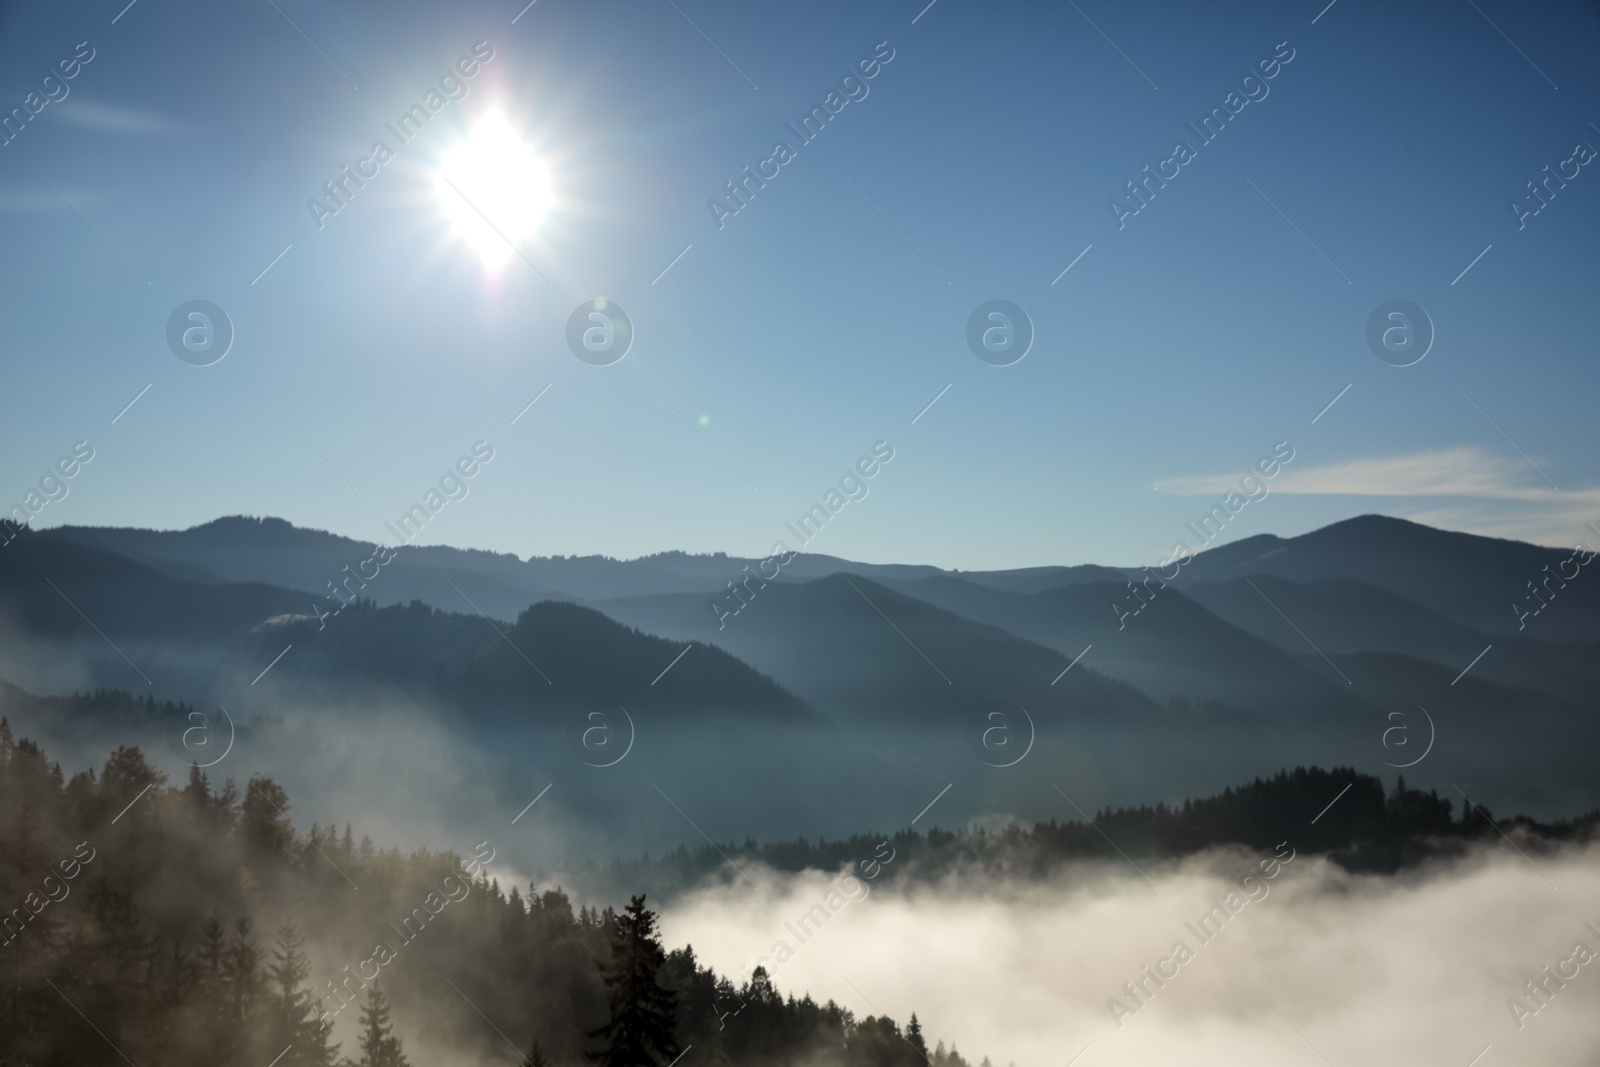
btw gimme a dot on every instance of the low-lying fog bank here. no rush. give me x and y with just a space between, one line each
1300 962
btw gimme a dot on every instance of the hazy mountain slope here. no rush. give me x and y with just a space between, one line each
241 548
853 644
1483 729
1037 579
1344 616
186 640
1171 647
1470 579
45 584
825 642
1340 615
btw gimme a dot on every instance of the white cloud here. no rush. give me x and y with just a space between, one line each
1411 969
1553 527
1498 496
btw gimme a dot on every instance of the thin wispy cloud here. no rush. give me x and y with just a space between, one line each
1495 495
1461 471
1554 526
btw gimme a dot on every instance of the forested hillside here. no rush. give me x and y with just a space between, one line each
156 923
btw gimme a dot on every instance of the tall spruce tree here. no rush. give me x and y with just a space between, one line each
211 995
914 1036
640 1032
292 1022
379 1046
242 986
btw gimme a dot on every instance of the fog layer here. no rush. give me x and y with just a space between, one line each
1315 965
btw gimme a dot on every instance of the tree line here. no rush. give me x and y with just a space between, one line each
1367 827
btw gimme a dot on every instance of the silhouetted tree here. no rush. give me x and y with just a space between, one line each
914 1035
640 1032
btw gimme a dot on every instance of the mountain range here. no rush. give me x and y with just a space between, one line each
1371 642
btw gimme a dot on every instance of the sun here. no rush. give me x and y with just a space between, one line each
494 189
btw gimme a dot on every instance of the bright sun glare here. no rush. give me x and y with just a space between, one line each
494 189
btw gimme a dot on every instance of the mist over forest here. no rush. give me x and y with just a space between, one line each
639 534
402 830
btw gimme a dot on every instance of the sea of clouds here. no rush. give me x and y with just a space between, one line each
1329 967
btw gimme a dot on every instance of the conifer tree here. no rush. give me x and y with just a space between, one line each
242 982
293 1019
640 1032
212 990
198 792
213 949
914 1036
379 1046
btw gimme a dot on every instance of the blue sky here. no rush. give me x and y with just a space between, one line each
1219 320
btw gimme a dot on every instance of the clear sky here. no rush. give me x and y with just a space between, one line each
1226 314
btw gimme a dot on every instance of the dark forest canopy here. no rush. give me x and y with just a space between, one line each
1365 828
189 925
